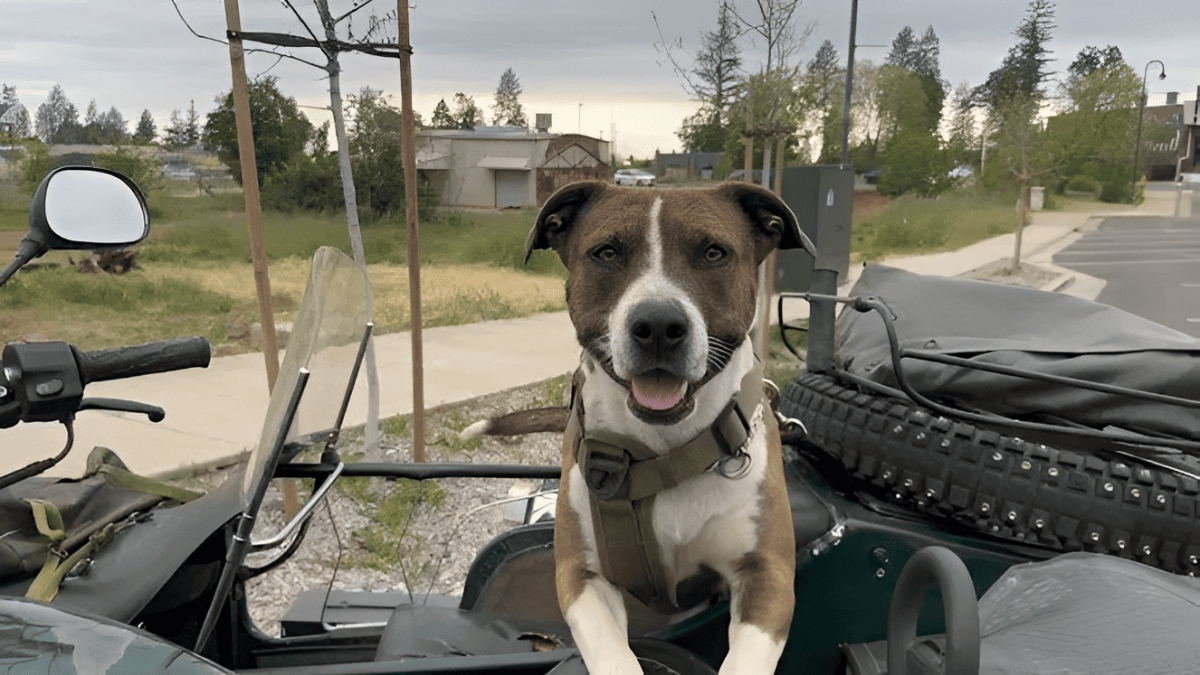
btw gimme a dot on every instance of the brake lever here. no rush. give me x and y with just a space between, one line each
155 413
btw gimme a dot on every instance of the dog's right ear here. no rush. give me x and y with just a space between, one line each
558 214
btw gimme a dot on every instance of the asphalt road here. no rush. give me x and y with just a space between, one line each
1151 264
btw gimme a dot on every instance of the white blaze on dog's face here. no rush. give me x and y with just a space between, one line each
663 282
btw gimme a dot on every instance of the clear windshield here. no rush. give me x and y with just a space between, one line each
329 327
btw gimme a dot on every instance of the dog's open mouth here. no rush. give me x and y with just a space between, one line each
659 397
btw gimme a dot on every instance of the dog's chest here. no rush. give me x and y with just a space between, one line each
711 520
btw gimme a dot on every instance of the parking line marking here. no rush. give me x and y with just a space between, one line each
1190 285
1193 320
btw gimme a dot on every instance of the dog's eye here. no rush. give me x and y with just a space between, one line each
715 253
606 253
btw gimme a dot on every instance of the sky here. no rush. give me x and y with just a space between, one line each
591 64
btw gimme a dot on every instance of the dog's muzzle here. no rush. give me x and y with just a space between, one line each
658 337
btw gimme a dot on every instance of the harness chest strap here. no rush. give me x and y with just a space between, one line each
624 476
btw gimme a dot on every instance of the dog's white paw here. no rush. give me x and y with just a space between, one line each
616 664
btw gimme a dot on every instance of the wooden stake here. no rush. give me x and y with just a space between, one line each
408 152
258 246
769 281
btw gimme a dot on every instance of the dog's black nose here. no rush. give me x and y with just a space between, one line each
658 326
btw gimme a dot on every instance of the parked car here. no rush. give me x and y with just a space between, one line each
636 177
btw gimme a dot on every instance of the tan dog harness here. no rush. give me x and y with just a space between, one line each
624 476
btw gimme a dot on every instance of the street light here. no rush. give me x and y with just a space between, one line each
1137 144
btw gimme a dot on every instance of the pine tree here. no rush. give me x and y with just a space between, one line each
507 109
57 120
466 114
1024 69
175 135
442 119
824 77
146 129
111 126
904 49
191 127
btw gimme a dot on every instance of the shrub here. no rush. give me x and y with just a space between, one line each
1083 183
36 163
305 183
141 165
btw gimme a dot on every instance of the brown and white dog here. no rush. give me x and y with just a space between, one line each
663 295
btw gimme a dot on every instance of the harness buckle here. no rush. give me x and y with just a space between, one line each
734 466
606 474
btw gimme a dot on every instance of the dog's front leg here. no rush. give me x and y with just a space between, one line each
592 606
762 583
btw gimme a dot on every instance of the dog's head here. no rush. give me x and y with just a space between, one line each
663 282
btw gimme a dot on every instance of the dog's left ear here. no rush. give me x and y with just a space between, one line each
770 215
557 215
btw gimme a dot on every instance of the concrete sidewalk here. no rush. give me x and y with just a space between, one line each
215 415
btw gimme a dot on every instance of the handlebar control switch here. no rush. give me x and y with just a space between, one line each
45 380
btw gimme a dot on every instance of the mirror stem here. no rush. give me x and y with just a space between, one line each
26 251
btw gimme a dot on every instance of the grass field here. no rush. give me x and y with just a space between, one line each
913 225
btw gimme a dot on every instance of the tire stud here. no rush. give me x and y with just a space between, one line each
1161 499
1026 466
1053 472
997 457
1095 536
887 475
1135 493
908 482
1039 524
1108 487
921 436
1121 544
1145 550
945 442
930 494
985 507
879 573
1017 441
1194 560
1012 515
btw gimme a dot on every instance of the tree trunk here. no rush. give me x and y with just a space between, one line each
371 431
749 162
766 170
1023 211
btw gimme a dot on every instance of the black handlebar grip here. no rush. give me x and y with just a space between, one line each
155 357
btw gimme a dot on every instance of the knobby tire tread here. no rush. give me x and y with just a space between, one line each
1001 485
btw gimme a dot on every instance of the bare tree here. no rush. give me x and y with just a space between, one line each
375 41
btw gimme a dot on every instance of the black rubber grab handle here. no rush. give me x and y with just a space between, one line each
935 567
155 357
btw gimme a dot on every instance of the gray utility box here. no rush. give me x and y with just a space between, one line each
821 197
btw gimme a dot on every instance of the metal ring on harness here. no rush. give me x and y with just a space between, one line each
605 474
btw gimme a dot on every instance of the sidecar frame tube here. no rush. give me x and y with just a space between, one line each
421 471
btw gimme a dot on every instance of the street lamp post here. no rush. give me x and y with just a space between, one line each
1137 144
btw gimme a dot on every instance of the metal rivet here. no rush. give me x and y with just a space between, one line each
899 496
1095 536
1121 544
899 428
945 442
1026 466
985 507
1161 499
921 436
997 457
930 493
1194 560
816 552
1053 471
1146 550
1012 515
879 573
1108 487
887 475
1135 493
1039 523
908 482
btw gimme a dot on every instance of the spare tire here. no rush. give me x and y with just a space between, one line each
1001 485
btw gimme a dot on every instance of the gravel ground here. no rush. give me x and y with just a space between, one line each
364 521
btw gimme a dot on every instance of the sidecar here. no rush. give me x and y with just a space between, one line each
890 545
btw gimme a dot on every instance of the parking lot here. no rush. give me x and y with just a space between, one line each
1151 264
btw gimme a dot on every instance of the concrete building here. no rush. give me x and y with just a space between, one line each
506 167
1171 137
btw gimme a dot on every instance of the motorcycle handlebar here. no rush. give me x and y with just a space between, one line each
155 357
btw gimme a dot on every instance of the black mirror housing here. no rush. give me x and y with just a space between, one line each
61 235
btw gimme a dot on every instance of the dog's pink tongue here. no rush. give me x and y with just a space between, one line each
658 391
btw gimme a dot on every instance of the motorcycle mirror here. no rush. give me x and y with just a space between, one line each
82 207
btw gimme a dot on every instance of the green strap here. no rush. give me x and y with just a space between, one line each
46 584
132 481
48 520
